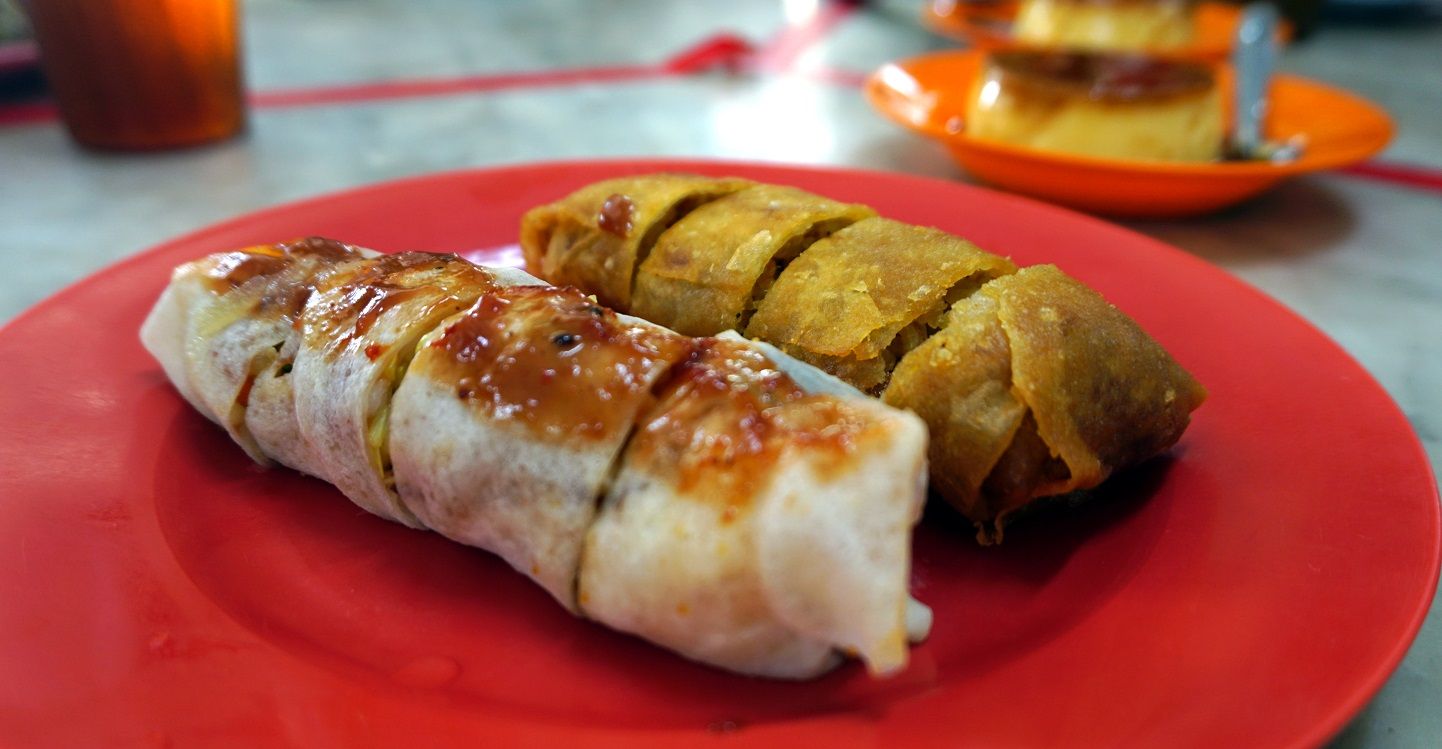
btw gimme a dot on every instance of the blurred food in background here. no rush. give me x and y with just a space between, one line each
1106 24
1196 29
1120 106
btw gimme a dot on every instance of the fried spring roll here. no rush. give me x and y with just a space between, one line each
707 271
1031 384
1060 389
854 302
595 238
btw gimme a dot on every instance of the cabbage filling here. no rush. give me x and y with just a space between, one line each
378 428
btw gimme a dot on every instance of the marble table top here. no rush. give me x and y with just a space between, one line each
1357 254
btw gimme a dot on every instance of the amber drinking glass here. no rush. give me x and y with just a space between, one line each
142 74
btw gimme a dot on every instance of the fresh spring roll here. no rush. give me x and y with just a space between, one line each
856 301
226 318
508 422
270 409
707 271
594 238
758 528
1056 389
271 415
775 523
358 337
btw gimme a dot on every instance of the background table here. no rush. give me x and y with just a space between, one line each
346 93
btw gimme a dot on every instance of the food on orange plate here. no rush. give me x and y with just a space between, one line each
686 490
1107 106
1134 25
1030 383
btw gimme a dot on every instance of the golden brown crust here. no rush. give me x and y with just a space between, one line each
1053 389
1103 392
594 238
704 270
959 382
1017 478
842 302
1031 384
866 375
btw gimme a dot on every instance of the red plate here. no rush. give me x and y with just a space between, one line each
1255 589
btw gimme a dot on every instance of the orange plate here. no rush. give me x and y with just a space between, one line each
928 94
988 25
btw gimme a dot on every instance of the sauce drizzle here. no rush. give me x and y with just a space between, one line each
554 361
357 299
724 419
617 215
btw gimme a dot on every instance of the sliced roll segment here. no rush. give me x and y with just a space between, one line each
759 528
270 410
1055 388
225 319
970 361
853 303
358 338
708 271
511 417
595 238
1103 392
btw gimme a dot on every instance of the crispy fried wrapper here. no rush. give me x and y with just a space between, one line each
857 300
594 238
707 271
1054 390
971 360
1032 385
